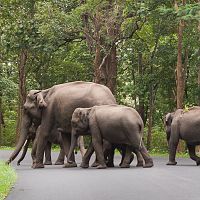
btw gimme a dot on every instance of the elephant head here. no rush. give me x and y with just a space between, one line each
80 120
80 126
35 102
32 113
167 123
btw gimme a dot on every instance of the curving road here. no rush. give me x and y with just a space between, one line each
56 183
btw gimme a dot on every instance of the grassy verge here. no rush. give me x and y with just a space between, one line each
7 179
6 148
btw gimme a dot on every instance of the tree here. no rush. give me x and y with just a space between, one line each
180 71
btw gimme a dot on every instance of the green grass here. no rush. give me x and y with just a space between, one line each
7 179
178 155
6 148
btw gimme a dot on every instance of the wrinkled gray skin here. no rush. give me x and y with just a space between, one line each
53 108
114 123
183 125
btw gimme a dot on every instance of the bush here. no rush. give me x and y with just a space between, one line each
159 141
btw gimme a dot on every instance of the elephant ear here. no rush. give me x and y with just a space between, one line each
169 118
33 94
40 99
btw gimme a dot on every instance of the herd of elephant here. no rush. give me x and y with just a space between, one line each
65 113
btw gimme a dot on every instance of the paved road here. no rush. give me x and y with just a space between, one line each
56 183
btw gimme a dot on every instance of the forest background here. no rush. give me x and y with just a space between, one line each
146 51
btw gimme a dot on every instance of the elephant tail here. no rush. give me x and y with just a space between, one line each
141 131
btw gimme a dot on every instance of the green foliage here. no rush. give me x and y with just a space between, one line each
53 34
159 142
7 179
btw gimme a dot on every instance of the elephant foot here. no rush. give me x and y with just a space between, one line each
47 163
84 165
198 162
59 162
148 163
94 164
110 164
172 163
101 166
70 165
125 165
37 165
139 164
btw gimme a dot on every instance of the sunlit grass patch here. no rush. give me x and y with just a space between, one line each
7 179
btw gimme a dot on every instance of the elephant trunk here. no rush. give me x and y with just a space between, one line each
74 138
24 151
26 123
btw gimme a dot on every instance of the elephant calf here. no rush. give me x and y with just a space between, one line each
114 123
183 125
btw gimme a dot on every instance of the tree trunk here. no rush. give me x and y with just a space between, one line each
198 147
199 66
22 87
106 72
150 119
180 72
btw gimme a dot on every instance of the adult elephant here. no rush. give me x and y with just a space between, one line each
54 107
114 123
183 125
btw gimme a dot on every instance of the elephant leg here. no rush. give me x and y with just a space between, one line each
126 158
69 149
192 154
108 151
139 158
48 154
172 152
41 144
81 145
97 142
87 156
109 157
61 157
33 152
148 160
24 151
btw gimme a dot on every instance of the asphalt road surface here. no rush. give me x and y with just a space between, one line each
56 183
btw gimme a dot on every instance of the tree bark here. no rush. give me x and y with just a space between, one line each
106 72
141 108
180 72
199 65
150 119
22 87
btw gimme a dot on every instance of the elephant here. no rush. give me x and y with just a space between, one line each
55 138
53 108
185 125
115 123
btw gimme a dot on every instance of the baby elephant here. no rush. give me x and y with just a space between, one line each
114 123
